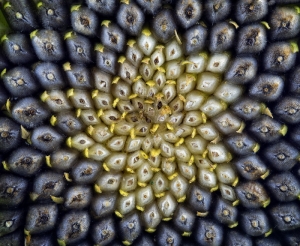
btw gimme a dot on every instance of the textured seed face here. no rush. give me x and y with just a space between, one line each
122 122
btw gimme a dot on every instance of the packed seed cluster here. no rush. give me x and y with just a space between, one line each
150 122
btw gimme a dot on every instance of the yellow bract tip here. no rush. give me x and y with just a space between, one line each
266 174
3 72
97 188
126 242
150 230
39 4
174 175
186 234
75 8
181 199
268 233
57 200
233 225
256 148
123 193
68 35
99 47
265 24
67 177
48 160
61 242
121 59
67 66
4 37
33 34
118 214
266 203
214 188
202 214
106 168
235 203
146 32
283 130
5 165
131 42
53 120
69 142
105 23
140 208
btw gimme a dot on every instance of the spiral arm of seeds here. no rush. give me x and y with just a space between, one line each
139 122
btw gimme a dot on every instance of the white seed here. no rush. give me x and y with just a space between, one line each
134 55
123 128
212 106
176 105
157 140
217 63
151 217
121 90
193 100
89 117
129 182
98 152
126 204
116 143
176 119
168 166
173 50
169 92
193 118
218 153
142 129
202 162
159 183
183 131
101 133
109 182
116 161
144 196
179 186
57 101
103 100
208 82
227 192
135 160
160 79
144 173
174 69
170 137
147 144
185 83
146 44
157 58
138 104
147 71
81 99
103 81
187 171
125 106
196 145
227 122
110 116
208 131
228 92
167 149
140 88
207 178
167 205
197 64
81 141
152 92
182 153
133 144
154 161
225 173
127 72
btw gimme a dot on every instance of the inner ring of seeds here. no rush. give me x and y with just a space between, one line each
156 128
